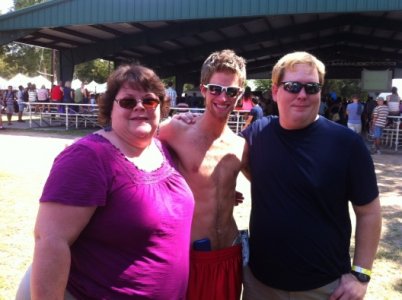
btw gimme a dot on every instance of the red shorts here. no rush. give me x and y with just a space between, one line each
215 275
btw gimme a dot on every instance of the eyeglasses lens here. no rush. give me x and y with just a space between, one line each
216 90
148 103
295 87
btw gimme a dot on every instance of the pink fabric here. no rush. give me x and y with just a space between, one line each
136 245
247 104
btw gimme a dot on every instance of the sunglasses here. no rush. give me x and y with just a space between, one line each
294 87
130 103
216 90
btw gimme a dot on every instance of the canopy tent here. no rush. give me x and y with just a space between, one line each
3 83
41 80
19 79
93 87
76 83
101 87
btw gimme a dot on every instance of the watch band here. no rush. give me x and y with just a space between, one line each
359 269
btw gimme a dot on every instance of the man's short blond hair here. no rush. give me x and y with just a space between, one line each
224 61
289 61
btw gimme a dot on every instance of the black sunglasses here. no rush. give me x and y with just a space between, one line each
216 90
294 87
130 103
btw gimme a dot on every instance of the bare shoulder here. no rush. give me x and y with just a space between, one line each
172 130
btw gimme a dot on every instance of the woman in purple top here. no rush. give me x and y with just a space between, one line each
115 215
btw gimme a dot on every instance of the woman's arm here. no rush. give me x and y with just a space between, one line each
57 227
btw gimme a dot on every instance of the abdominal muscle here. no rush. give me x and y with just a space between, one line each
214 202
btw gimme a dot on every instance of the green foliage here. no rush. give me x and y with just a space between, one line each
262 84
19 4
188 87
344 88
21 58
166 80
97 70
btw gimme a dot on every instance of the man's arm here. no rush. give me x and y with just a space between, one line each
367 237
248 121
170 130
368 231
165 130
245 162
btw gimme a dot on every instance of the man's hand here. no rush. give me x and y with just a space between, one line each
187 117
239 198
349 289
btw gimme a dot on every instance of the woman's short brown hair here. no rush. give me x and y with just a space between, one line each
136 76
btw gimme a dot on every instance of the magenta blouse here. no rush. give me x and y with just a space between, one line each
136 245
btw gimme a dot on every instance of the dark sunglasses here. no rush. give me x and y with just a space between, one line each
216 90
130 103
294 87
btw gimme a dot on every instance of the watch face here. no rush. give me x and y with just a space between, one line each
361 277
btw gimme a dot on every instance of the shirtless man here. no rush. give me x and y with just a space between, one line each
210 156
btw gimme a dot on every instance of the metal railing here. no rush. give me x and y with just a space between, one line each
51 114
236 119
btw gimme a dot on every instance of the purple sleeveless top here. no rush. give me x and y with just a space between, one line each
136 245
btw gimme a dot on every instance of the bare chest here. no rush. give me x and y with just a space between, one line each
211 160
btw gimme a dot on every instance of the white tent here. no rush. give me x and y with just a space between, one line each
93 87
3 83
41 80
19 79
76 83
101 88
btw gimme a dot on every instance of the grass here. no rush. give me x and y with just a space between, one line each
25 164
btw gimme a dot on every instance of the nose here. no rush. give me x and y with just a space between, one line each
302 93
223 96
139 105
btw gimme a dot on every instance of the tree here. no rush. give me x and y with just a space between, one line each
20 58
262 85
19 4
98 70
344 88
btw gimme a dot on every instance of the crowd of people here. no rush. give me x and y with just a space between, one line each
143 208
14 101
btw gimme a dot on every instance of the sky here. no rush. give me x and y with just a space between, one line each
5 5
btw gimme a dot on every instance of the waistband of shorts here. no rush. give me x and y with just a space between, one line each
216 255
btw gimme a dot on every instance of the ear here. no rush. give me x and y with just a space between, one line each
275 89
203 90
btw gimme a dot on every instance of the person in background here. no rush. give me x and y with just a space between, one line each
171 94
1 117
92 101
255 113
210 157
21 104
68 96
322 111
380 115
78 99
115 215
354 112
393 102
56 95
9 98
81 97
43 96
33 96
367 112
247 103
304 171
